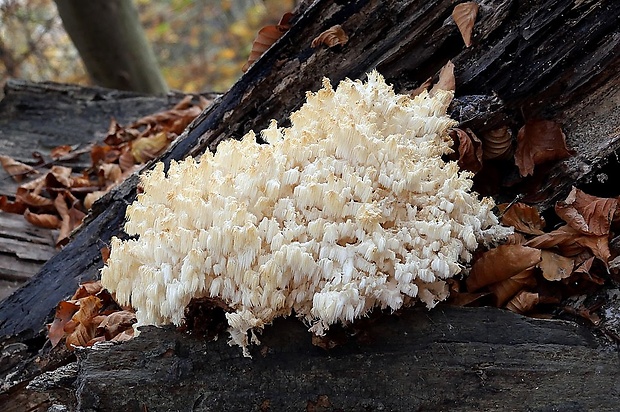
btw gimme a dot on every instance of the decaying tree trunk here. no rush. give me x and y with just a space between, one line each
553 59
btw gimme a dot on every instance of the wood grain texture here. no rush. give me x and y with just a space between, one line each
446 359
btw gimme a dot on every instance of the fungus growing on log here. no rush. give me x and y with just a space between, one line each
350 208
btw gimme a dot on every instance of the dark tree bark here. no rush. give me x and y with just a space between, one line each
554 59
112 44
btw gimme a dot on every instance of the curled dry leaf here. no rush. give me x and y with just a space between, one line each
501 263
446 78
33 200
64 312
147 148
464 16
497 144
524 218
267 36
60 152
523 302
539 141
17 206
334 36
116 323
424 86
469 151
555 267
92 198
506 289
88 288
17 170
572 242
588 214
43 220
84 322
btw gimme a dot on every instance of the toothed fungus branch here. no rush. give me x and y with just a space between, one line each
350 208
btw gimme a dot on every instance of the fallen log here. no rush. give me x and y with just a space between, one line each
551 59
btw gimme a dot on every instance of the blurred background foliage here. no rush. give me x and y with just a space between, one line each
201 45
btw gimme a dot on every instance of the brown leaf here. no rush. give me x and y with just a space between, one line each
334 36
124 336
59 152
424 86
85 322
17 170
446 79
572 242
93 197
588 214
63 211
469 151
539 141
64 313
33 200
267 36
17 207
88 288
105 254
497 143
464 16
43 220
555 267
506 289
111 172
523 302
147 148
522 217
501 263
116 323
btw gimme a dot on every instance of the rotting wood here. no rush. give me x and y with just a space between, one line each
407 41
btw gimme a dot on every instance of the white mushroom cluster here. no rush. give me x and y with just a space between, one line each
350 208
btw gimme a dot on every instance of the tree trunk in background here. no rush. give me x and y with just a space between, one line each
112 44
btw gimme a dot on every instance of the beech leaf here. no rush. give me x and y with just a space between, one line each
446 78
147 148
469 151
506 289
43 220
555 267
17 170
497 143
588 214
267 36
501 263
64 313
464 16
571 242
334 36
539 141
523 302
524 218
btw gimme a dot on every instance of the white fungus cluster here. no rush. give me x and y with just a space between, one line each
350 208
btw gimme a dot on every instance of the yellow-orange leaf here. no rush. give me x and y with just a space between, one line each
522 217
501 263
464 16
334 36
147 148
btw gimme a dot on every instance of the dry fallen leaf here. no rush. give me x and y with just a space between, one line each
17 170
501 263
424 86
144 149
267 36
523 218
334 36
464 16
539 141
523 302
43 220
64 312
88 288
572 242
506 289
497 143
469 151
116 323
59 152
446 79
588 214
17 206
555 267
